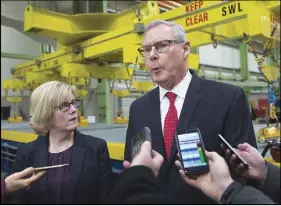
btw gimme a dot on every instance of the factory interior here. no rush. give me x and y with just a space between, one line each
93 46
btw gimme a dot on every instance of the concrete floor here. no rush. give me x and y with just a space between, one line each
108 132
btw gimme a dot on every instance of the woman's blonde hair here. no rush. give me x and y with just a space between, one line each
44 101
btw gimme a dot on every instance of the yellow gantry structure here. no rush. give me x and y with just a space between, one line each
89 45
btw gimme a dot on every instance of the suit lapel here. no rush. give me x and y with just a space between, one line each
155 118
41 160
191 101
76 162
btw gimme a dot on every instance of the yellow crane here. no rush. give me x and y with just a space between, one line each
89 44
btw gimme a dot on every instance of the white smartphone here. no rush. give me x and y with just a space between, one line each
244 162
49 167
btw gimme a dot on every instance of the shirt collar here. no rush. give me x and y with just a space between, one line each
180 89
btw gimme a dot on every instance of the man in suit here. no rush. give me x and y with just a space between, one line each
183 100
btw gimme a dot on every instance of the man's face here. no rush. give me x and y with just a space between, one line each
166 69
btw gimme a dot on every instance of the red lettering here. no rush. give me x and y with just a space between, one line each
193 6
187 21
205 16
201 18
196 5
200 3
196 19
187 8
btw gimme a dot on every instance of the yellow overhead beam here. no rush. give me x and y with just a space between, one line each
225 20
97 71
120 93
40 77
211 13
71 29
52 61
14 84
66 29
203 21
142 86
210 17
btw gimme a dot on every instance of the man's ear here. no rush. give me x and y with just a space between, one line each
186 48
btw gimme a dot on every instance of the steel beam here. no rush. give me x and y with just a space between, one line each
92 38
17 56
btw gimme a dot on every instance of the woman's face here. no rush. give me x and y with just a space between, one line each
66 116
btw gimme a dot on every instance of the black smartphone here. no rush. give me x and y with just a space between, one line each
192 152
242 160
141 137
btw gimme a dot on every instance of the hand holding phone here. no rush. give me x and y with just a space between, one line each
192 152
139 139
213 183
240 160
149 158
257 165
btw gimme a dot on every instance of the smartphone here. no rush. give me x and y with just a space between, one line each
141 137
38 169
243 161
192 152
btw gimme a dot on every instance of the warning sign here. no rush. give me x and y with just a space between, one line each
197 18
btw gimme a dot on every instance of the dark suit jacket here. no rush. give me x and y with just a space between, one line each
212 107
91 171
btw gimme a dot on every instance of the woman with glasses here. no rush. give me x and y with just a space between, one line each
88 177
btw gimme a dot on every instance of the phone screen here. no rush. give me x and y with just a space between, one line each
192 152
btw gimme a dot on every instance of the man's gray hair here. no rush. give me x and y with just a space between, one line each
178 29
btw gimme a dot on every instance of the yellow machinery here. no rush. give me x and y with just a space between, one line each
274 147
14 100
270 132
89 44
142 86
270 75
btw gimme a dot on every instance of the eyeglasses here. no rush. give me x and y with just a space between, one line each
65 106
161 47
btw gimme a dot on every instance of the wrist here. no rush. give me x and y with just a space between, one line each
222 188
263 175
231 191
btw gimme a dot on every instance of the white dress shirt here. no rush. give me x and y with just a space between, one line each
180 90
